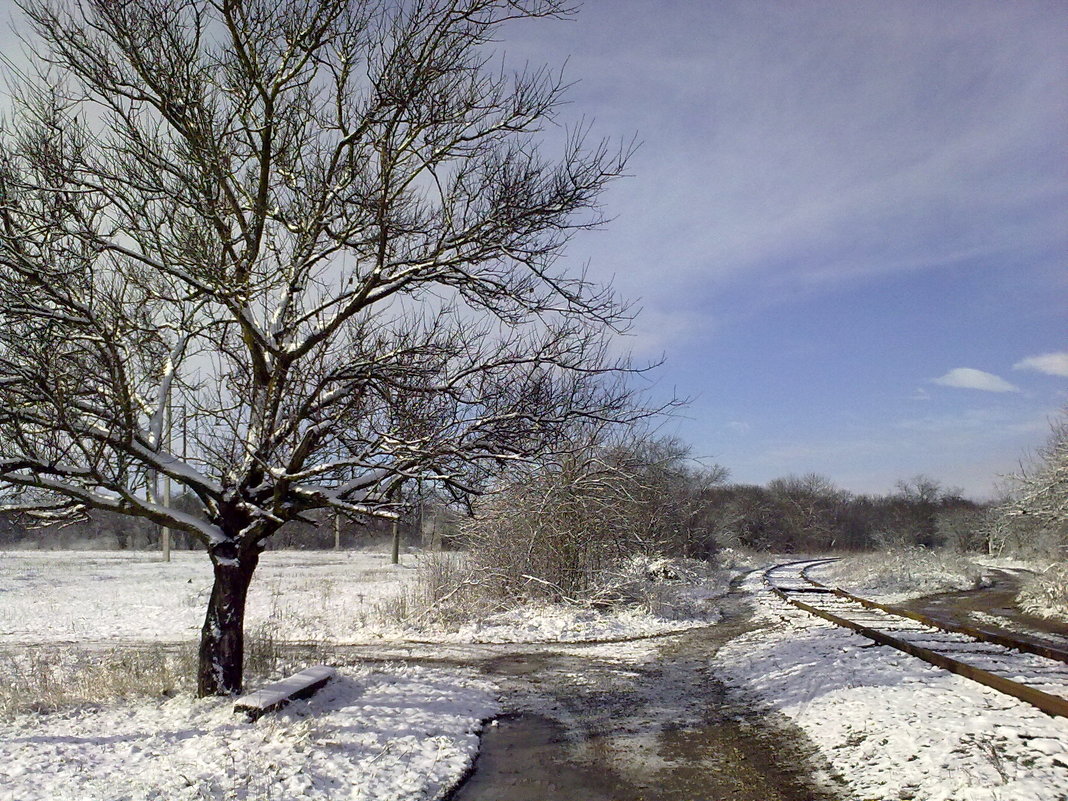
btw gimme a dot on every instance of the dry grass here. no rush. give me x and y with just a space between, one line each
48 679
40 680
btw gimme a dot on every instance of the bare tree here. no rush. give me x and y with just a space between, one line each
810 506
325 229
1043 488
1034 516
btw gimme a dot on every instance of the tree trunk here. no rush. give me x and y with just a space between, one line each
222 640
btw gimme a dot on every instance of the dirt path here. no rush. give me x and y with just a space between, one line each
617 724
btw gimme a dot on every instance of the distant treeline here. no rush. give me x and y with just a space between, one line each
808 513
697 517
109 531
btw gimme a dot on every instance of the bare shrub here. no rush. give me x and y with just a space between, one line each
657 585
556 529
549 534
1046 595
447 590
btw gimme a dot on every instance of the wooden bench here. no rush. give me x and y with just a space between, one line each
275 696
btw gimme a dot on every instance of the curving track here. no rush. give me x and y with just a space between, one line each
1033 673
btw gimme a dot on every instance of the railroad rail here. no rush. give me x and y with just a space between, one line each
1034 673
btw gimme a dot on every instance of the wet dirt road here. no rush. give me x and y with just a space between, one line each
618 723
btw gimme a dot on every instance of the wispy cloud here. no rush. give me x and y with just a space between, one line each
1048 363
957 428
794 162
970 378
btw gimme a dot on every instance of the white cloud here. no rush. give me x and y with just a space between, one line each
970 378
1049 363
739 427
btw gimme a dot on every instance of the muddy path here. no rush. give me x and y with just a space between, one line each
638 723
992 609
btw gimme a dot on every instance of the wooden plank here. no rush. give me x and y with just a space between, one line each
275 696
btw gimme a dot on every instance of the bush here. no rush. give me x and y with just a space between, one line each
554 530
1046 595
657 585
447 590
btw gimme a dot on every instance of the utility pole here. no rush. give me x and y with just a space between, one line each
396 530
165 534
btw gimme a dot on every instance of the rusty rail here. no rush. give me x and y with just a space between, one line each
1047 651
1047 702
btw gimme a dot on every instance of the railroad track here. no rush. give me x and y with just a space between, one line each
1031 672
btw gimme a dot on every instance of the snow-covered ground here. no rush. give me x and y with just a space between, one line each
892 726
915 572
125 596
342 597
391 732
891 577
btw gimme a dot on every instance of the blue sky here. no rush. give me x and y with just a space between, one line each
846 226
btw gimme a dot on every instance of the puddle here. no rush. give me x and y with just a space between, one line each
524 758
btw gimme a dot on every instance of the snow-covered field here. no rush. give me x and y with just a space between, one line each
894 727
391 732
125 596
342 597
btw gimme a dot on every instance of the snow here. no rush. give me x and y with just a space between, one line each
545 623
892 726
338 597
67 596
895 576
1046 594
277 694
397 733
